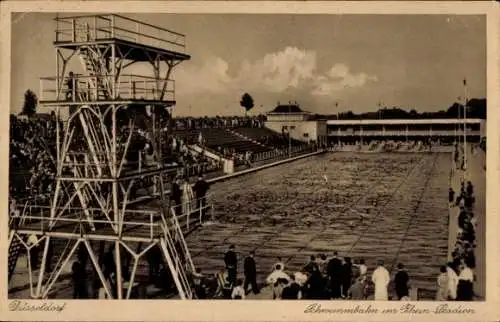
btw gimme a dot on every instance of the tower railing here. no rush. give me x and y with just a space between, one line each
193 212
147 224
128 87
92 28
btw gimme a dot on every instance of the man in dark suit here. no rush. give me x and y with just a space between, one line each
231 261
291 291
200 190
334 270
401 282
250 270
176 196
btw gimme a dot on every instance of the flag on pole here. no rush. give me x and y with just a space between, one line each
465 82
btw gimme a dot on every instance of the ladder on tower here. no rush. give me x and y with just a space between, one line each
15 245
15 248
96 69
177 255
84 197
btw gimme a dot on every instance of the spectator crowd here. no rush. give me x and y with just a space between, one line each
460 268
192 123
32 150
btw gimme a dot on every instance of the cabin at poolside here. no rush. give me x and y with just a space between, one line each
300 124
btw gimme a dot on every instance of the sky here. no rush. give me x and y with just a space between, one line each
410 61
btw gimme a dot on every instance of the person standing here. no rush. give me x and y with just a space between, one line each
465 289
33 251
187 197
401 282
176 196
79 280
200 189
452 281
346 276
381 279
250 271
231 261
451 196
71 85
442 285
315 285
334 269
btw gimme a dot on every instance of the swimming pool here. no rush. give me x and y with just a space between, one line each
373 206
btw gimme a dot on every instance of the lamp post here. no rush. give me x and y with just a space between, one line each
289 132
465 124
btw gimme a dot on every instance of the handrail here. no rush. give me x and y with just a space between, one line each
147 36
127 212
149 25
64 19
79 76
174 257
112 29
94 221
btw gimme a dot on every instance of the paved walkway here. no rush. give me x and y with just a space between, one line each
477 175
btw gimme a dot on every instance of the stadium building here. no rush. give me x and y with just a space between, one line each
444 130
306 127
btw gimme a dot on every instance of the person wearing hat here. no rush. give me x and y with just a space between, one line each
200 190
231 261
176 195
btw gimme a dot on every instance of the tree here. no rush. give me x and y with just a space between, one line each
30 103
246 102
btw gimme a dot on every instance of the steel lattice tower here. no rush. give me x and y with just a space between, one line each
99 167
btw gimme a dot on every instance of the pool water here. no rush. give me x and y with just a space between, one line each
373 206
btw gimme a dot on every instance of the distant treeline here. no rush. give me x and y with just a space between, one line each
476 108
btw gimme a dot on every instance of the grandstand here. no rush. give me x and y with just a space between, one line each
444 130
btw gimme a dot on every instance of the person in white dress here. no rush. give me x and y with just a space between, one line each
238 292
275 281
363 269
187 197
381 279
452 283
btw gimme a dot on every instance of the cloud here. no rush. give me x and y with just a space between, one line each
338 78
291 68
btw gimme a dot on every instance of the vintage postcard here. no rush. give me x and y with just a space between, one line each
248 161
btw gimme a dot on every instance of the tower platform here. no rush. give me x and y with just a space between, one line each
135 40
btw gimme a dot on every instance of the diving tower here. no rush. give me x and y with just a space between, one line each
110 144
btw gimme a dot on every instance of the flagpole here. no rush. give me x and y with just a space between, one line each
465 124
289 133
458 122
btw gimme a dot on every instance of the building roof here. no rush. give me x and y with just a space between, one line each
403 121
288 109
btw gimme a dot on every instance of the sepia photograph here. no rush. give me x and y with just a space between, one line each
326 158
